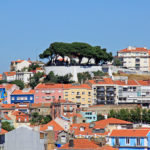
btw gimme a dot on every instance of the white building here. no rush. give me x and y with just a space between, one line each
19 65
9 76
24 76
137 58
24 138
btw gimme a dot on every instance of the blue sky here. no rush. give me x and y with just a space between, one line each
27 27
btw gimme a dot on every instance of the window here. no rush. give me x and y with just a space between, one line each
83 93
83 99
72 93
66 99
72 99
13 98
59 91
127 140
43 91
53 97
138 141
78 93
37 97
31 98
43 97
89 93
116 141
78 100
59 97
37 91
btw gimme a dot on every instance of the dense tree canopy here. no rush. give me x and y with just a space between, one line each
76 50
18 83
134 115
7 126
52 78
37 119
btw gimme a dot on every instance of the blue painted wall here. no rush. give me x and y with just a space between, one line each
90 116
3 95
133 141
22 98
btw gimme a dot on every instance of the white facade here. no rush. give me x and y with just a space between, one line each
24 76
135 58
9 78
20 64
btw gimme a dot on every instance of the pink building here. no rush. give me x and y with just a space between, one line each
48 92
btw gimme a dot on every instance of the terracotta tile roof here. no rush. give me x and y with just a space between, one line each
7 117
103 81
118 82
49 85
19 61
130 133
105 122
72 86
143 82
8 105
56 126
137 49
132 82
75 128
3 131
21 92
10 73
18 113
81 144
36 104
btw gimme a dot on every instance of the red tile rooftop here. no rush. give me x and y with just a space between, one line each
81 144
3 131
49 85
103 81
136 49
10 73
18 92
73 86
54 124
105 122
7 117
129 133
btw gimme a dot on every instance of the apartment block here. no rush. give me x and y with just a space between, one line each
104 91
136 58
80 94
48 92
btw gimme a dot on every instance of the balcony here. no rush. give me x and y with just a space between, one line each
100 90
47 92
110 89
47 97
99 101
68 110
78 96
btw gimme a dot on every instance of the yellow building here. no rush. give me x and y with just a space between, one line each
80 94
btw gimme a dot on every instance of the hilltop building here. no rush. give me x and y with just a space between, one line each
136 58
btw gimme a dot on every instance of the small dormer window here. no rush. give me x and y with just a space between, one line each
82 128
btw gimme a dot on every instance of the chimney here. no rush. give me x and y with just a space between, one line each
71 143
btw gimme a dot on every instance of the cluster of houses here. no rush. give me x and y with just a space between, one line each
72 125
63 134
95 92
19 71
